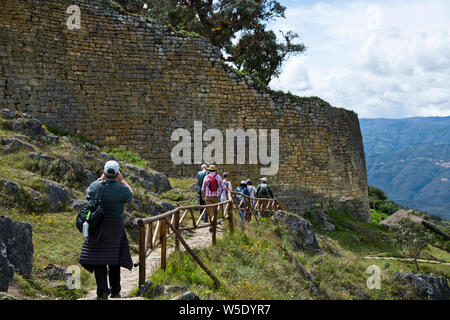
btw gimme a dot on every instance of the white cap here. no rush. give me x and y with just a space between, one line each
111 166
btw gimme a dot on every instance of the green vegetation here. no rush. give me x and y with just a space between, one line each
412 239
257 50
72 162
127 156
379 203
55 241
257 262
260 263
377 216
63 133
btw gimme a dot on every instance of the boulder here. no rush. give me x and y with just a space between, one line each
57 195
78 204
29 126
189 295
131 227
165 206
18 240
303 233
40 157
399 215
152 290
107 156
321 219
55 272
155 180
8 114
11 145
160 182
9 187
6 269
435 287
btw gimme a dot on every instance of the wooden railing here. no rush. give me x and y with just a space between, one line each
154 231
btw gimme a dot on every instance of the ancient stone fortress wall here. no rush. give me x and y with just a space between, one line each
125 81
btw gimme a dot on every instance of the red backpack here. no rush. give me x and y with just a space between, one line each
212 183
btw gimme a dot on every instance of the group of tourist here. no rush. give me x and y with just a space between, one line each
212 188
106 250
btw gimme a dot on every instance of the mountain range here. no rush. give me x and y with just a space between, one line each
410 160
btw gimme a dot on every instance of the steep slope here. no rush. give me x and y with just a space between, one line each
410 160
43 178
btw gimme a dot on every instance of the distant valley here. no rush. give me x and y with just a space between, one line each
410 160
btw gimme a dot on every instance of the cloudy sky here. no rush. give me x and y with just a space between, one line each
387 59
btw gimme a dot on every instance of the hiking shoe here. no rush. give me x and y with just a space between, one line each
115 296
104 296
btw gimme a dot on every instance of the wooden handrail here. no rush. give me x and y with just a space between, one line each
170 223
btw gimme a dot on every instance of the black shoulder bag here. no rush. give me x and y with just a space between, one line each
92 212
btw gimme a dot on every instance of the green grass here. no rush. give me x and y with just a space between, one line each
61 132
127 156
260 263
377 216
182 183
56 240
359 237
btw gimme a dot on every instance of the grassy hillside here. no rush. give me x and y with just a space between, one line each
70 162
259 262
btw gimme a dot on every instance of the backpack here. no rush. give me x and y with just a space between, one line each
263 190
213 183
92 212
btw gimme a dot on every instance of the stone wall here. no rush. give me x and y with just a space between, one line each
129 82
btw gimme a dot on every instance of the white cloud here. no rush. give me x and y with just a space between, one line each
391 59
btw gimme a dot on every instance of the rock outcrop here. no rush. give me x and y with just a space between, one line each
57 195
305 237
6 269
394 218
16 246
152 290
189 295
434 287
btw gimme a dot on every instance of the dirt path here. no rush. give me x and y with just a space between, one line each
129 279
407 259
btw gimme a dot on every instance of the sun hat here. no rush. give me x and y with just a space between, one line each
263 179
212 167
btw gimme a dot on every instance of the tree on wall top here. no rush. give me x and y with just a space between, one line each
238 27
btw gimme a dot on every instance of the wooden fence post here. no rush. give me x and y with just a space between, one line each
230 216
248 216
163 240
177 226
215 213
142 253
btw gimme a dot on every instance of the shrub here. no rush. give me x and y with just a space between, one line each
412 239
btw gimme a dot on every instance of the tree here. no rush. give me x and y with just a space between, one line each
411 237
377 194
257 51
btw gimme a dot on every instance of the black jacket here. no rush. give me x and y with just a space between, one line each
109 245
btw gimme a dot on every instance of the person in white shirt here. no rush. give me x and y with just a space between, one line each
226 181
